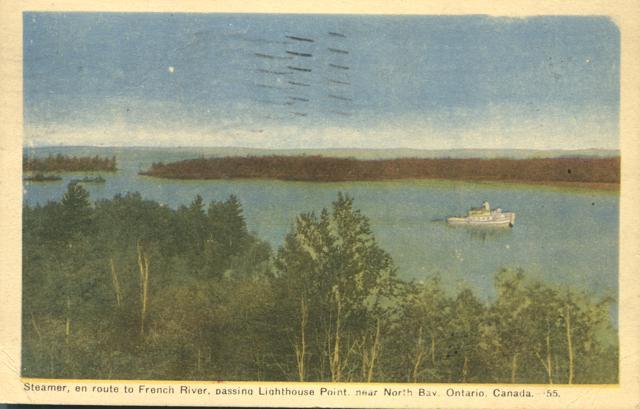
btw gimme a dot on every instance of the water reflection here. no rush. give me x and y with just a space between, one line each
480 233
485 233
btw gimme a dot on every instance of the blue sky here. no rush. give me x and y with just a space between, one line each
431 82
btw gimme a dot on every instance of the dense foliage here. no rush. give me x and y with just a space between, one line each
64 163
128 288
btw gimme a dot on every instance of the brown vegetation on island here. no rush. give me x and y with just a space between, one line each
64 163
596 171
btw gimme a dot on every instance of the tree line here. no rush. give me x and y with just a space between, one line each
327 169
65 163
127 288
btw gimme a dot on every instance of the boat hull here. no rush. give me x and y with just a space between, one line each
503 219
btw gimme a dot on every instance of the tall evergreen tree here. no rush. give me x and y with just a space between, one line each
76 211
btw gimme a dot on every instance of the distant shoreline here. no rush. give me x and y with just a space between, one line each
594 173
358 153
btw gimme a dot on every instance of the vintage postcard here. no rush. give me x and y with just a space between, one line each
372 205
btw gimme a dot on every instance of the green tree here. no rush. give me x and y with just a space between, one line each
508 317
338 283
76 213
226 237
464 358
126 289
420 333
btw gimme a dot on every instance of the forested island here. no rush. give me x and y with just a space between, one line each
127 288
65 163
596 172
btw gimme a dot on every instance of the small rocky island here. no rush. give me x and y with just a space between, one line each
39 177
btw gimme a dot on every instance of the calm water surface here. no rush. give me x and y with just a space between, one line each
565 237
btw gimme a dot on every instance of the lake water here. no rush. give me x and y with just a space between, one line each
568 237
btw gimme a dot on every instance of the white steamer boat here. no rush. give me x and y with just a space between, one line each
484 216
